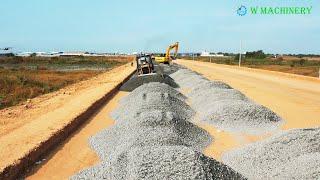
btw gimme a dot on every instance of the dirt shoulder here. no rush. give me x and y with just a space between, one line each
68 156
295 98
23 129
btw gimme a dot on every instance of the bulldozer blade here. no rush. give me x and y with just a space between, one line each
138 80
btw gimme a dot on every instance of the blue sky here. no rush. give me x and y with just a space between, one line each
151 25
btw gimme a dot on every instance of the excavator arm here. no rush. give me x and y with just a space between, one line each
167 58
174 46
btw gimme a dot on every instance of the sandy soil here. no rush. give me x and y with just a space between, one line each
24 127
295 98
75 154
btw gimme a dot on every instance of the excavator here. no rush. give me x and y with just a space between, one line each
166 59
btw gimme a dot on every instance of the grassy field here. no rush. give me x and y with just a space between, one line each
62 63
299 66
19 80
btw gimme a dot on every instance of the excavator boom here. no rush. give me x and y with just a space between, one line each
174 46
167 58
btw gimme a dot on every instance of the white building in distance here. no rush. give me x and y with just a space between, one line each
208 54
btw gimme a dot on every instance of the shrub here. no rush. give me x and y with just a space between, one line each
302 62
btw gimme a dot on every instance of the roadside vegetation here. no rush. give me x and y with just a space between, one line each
23 78
62 63
289 64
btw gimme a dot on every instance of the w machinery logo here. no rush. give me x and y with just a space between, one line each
269 10
242 10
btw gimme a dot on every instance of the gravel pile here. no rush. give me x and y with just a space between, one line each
165 162
153 139
166 69
144 99
152 88
136 81
186 78
240 116
293 154
206 84
224 107
200 99
152 128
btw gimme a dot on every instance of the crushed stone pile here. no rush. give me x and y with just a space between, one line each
152 128
165 162
294 154
222 106
240 116
150 100
152 88
135 81
200 98
169 69
186 78
153 139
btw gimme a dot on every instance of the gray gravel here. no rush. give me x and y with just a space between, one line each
153 139
294 154
152 100
240 116
156 128
187 79
165 162
149 88
166 69
224 107
199 99
136 81
207 84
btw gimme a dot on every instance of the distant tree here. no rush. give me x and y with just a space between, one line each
243 56
33 55
302 62
256 54
9 55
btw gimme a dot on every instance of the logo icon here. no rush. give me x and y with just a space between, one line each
242 10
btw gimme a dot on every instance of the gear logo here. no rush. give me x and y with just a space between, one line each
242 10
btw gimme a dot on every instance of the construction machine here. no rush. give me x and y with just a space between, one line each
144 64
166 59
147 72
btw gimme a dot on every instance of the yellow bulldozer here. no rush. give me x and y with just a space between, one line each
166 58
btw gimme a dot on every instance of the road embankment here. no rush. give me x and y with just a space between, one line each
30 132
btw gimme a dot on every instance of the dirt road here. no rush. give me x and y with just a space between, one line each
295 98
75 154
22 129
